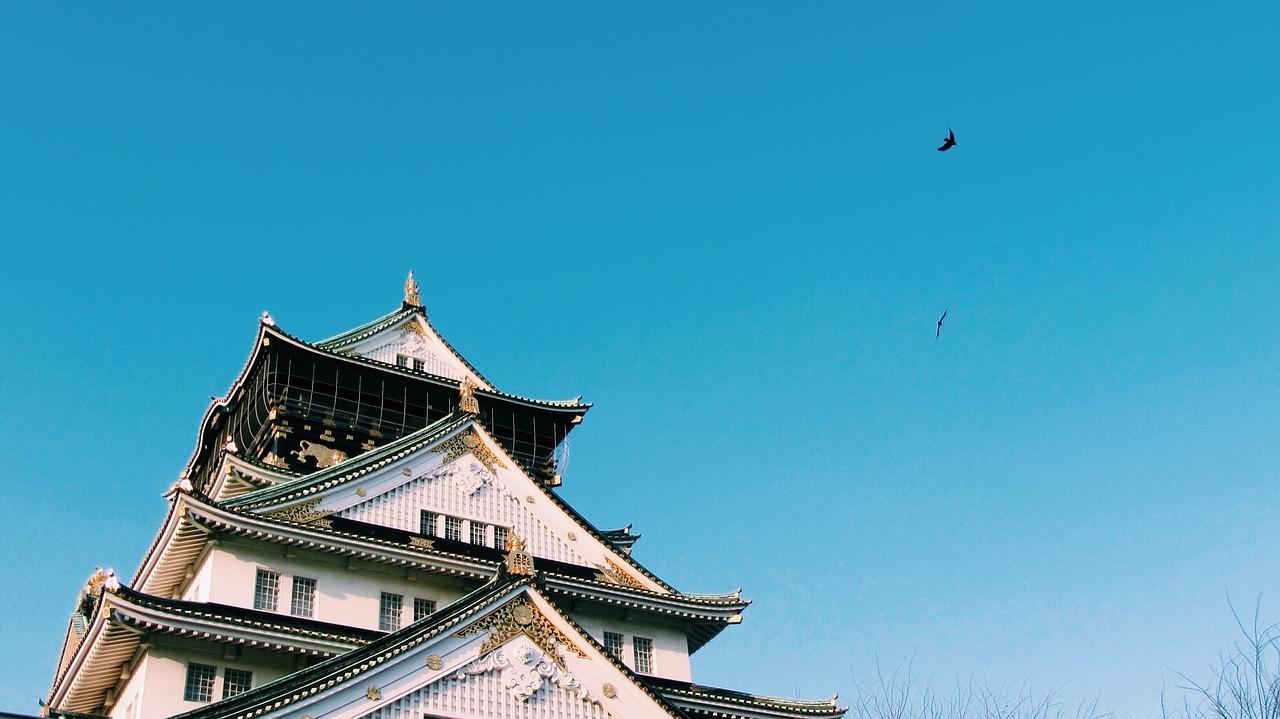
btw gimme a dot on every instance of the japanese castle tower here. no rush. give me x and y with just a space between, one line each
369 529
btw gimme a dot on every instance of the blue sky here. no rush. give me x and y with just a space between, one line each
726 225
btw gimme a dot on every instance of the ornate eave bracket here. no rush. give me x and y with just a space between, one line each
302 513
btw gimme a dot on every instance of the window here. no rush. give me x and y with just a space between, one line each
304 598
407 361
613 644
265 590
199 682
500 537
423 608
453 529
389 610
644 654
236 681
477 533
427 525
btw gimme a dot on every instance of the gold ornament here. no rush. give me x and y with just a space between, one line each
411 292
434 662
467 396
518 616
300 513
616 575
609 691
468 443
518 561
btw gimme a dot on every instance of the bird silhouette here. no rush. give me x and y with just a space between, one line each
940 319
948 142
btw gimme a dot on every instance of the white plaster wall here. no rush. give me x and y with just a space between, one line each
670 645
343 596
131 693
197 589
490 503
163 674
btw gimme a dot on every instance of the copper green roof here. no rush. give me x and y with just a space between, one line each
390 319
356 466
368 329
676 690
241 617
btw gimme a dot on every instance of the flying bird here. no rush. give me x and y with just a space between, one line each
948 142
940 319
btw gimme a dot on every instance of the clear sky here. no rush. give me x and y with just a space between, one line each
727 226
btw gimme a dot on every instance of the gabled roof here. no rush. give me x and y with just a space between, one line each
487 612
269 332
345 341
424 440
122 619
368 329
573 403
192 520
353 468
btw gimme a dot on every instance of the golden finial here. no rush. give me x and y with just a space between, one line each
467 401
411 298
518 561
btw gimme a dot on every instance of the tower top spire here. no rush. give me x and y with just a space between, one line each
411 298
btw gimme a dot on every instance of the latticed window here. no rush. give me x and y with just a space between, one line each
407 361
266 589
453 528
643 647
199 687
613 644
236 681
423 608
389 610
500 537
477 533
427 525
304 597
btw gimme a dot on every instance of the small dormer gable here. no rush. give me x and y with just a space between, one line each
454 484
406 339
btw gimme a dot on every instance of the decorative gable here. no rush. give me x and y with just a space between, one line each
470 491
503 652
454 481
414 344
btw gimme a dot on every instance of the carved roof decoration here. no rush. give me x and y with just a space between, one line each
364 666
193 521
429 438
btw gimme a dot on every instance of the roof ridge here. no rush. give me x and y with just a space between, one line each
576 516
365 461
691 687
227 612
366 329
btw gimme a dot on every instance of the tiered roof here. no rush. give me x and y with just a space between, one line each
239 494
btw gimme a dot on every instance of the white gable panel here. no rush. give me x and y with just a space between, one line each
487 694
463 488
414 338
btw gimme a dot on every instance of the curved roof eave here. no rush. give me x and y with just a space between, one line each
266 331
